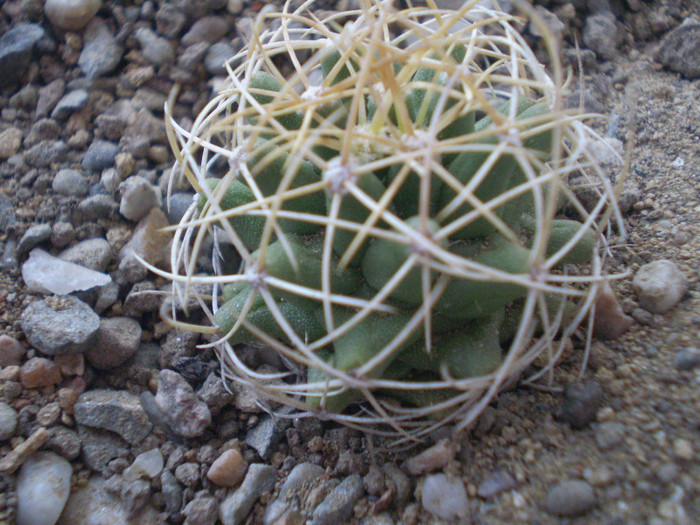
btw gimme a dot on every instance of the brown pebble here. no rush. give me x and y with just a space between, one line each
11 351
610 320
68 395
14 459
71 365
228 469
431 458
39 372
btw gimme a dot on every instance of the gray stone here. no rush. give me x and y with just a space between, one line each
156 50
192 56
201 511
115 410
69 181
99 447
581 403
49 95
236 507
687 359
135 494
301 474
206 29
177 206
71 102
8 421
170 20
64 442
216 57
660 285
188 474
95 254
16 46
186 414
609 434
101 51
117 340
267 433
148 242
98 206
214 393
10 142
62 234
338 506
600 34
42 128
496 483
60 325
172 492
680 49
100 155
35 235
139 196
570 498
444 496
106 297
8 219
45 153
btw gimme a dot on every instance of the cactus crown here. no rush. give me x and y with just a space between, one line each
393 185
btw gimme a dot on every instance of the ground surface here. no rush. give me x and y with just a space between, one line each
641 454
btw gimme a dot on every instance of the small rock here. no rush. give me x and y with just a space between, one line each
609 434
148 464
680 49
115 410
101 51
45 273
581 403
148 242
207 29
35 235
170 20
236 507
201 511
570 498
49 95
71 15
43 485
610 320
138 198
39 372
338 506
16 46
18 455
64 442
10 141
600 34
188 474
301 474
8 421
69 181
135 494
216 57
445 497
70 103
402 485
46 153
156 50
95 254
98 206
683 450
100 447
172 492
433 458
192 56
100 155
8 219
495 484
659 285
686 359
117 340
267 433
228 469
11 351
62 234
71 365
186 414
43 128
214 393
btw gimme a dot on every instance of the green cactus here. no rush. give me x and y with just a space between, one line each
393 204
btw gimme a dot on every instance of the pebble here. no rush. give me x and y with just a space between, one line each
69 181
147 464
569 498
659 285
60 325
609 434
62 234
444 497
206 29
683 450
71 15
45 273
11 351
201 511
39 372
8 219
43 485
70 103
8 421
35 235
687 359
16 46
10 141
176 207
95 207
192 55
338 506
581 403
301 474
170 19
267 433
496 483
95 254
172 492
228 470
115 410
188 474
213 392
49 95
149 242
186 414
64 442
433 458
236 507
117 340
610 319
217 56
138 197
101 51
46 153
14 459
600 34
44 128
155 49
100 155
680 49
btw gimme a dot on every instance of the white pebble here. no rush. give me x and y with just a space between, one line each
71 14
148 464
660 285
43 486
445 497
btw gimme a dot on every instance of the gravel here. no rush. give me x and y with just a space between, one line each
570 498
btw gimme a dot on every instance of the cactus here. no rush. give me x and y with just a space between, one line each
397 200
